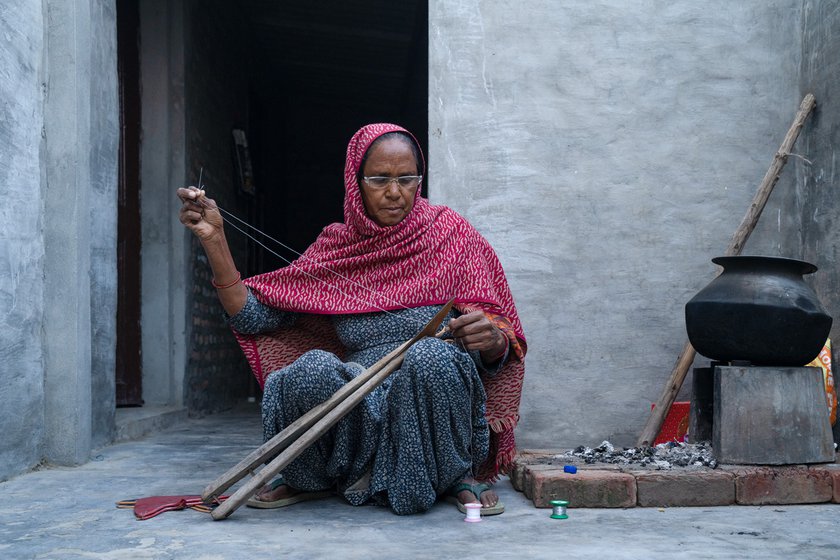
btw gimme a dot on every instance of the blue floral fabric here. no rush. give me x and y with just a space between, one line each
409 440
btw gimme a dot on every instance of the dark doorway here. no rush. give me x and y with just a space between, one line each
128 364
298 78
321 71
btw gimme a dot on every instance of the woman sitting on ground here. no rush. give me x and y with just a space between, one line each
442 424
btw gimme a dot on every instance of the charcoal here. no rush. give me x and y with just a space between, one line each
661 457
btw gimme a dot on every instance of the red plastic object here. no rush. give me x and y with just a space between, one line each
146 508
675 426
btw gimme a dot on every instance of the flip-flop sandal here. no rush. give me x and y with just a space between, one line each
283 502
146 508
476 489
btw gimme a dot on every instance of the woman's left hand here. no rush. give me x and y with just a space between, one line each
474 331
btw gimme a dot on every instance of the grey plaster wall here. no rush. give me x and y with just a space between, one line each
164 250
608 150
81 132
21 242
102 159
817 182
58 166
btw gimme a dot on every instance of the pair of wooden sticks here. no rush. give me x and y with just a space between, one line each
286 446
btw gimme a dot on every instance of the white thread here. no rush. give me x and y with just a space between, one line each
280 243
323 281
473 513
558 509
324 267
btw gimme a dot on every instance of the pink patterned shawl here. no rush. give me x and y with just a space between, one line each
357 266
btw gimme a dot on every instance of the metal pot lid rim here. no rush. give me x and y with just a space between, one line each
804 267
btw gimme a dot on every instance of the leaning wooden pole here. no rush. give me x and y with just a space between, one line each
286 446
329 419
293 431
736 245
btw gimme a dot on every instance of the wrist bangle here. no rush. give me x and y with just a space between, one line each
223 286
501 354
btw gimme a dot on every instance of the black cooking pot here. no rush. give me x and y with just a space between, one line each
759 310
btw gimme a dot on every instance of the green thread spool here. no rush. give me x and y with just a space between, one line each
558 509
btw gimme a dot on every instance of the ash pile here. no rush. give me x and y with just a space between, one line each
661 457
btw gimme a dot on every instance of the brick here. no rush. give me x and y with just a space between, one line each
780 485
547 460
528 476
685 488
585 489
531 455
517 476
598 467
833 471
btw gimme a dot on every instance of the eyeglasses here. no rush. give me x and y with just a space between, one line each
405 181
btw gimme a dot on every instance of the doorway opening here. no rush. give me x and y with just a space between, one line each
296 79
128 367
320 71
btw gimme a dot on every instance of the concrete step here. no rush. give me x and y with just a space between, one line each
137 422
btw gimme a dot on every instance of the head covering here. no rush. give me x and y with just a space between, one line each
358 266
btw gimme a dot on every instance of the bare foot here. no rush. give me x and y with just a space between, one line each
488 498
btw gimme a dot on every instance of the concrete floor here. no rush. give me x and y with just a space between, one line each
61 513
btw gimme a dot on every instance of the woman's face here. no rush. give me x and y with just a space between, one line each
390 157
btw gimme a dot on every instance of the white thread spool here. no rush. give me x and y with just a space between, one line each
473 513
558 509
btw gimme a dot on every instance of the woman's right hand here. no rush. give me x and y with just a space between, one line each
202 217
200 214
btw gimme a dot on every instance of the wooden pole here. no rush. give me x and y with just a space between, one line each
300 444
736 245
305 431
282 440
739 239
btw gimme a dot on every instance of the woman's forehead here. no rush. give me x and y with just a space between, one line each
391 150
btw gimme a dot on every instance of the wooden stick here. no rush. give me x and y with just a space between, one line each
675 382
299 445
302 433
747 226
736 245
280 441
